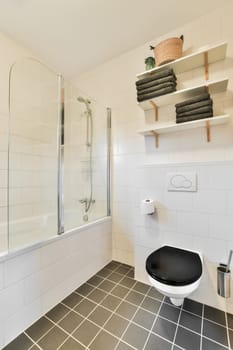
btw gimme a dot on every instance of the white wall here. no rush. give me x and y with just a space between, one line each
113 83
33 282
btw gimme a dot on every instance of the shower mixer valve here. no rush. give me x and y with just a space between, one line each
86 202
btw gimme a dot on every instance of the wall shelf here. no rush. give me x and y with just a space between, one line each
201 58
156 130
213 87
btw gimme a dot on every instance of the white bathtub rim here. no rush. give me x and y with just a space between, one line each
26 249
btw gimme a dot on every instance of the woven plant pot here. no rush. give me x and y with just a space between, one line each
168 50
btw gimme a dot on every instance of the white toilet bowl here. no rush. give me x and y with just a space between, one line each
174 272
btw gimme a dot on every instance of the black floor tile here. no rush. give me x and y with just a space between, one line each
169 312
104 273
127 282
86 332
144 318
193 306
165 329
111 302
190 321
156 343
216 332
155 294
97 295
115 277
57 312
72 300
70 321
215 315
151 304
104 340
120 291
39 328
53 339
207 344
134 297
95 281
116 325
123 346
106 285
231 338
71 344
187 340
99 315
131 273
22 342
123 269
85 307
141 287
113 265
230 320
126 310
85 289
136 336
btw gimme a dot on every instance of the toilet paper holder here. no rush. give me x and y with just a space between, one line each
224 278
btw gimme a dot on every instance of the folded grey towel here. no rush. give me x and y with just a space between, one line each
157 75
156 88
156 93
202 97
196 111
194 117
192 106
169 78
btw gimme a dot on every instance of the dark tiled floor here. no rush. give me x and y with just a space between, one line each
113 311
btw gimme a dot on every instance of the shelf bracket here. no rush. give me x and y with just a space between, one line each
156 135
206 61
208 136
155 109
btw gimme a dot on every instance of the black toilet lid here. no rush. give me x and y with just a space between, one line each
173 266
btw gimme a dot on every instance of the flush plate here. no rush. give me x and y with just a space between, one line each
182 182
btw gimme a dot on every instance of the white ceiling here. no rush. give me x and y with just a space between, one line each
76 35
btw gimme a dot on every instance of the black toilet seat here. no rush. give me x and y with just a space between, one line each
174 266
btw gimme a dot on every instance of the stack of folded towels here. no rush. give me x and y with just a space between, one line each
198 107
158 84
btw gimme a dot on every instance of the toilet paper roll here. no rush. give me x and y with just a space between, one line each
147 206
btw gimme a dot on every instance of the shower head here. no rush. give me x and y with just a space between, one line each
83 100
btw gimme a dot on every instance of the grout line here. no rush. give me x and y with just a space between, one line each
130 321
34 343
228 336
178 321
97 305
123 299
202 324
63 317
152 326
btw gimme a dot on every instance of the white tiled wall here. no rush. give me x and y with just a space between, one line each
33 282
206 216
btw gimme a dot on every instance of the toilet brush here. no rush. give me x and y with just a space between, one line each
224 278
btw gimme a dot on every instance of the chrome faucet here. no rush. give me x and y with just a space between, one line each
86 202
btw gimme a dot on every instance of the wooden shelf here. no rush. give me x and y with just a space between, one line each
156 130
200 58
213 87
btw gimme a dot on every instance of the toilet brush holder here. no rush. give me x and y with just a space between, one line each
224 281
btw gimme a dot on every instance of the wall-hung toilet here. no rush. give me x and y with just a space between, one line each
174 272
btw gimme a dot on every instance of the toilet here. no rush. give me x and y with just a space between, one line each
174 272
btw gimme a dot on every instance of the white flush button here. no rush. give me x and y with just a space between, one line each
182 182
